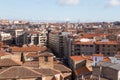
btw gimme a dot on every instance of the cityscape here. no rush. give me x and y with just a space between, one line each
60 40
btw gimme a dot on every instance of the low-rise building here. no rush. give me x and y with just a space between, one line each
82 65
45 68
108 70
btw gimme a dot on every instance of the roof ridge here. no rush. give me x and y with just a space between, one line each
18 67
31 70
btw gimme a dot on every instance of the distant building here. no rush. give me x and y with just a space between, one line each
6 37
60 43
45 68
16 51
19 36
35 38
87 48
106 47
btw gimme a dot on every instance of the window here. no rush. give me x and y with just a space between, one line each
103 49
86 45
108 53
108 45
103 45
82 45
46 58
91 45
114 46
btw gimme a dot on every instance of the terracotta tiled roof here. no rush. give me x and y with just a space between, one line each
82 70
3 53
5 46
47 71
32 64
78 42
46 54
28 49
93 35
8 62
98 55
61 68
18 72
32 55
97 42
2 69
34 32
86 57
1 44
107 42
77 58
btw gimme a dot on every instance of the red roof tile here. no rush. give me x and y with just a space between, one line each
28 49
18 72
86 57
82 70
8 62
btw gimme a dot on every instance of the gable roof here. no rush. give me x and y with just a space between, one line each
8 62
3 53
82 70
32 64
18 72
61 68
29 54
47 71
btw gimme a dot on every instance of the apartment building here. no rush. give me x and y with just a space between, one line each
59 43
35 38
16 35
87 48
106 47
56 43
5 36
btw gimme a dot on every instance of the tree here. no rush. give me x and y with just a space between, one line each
22 58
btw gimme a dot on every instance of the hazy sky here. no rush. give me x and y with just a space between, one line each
73 10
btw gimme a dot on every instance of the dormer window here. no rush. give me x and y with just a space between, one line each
46 58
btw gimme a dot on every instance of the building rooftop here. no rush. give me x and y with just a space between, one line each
82 70
47 71
105 64
19 72
45 54
32 64
87 57
116 67
61 68
8 62
3 53
28 49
